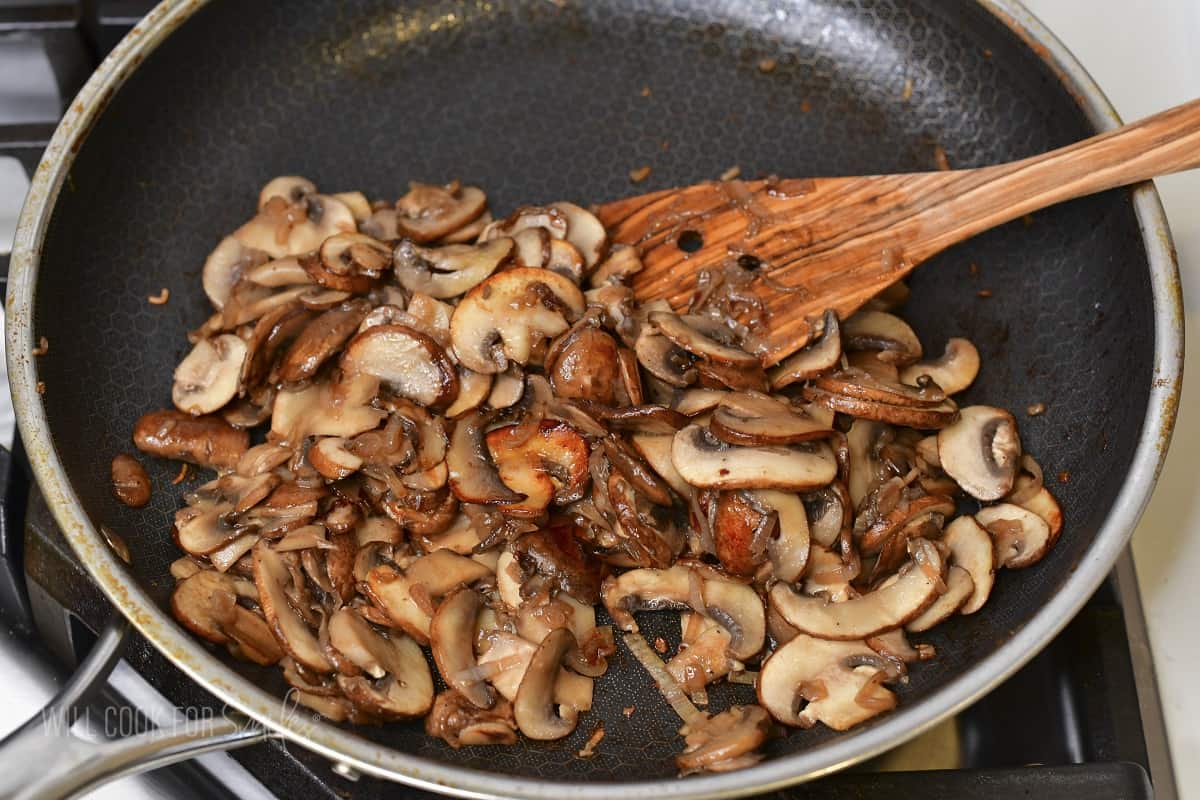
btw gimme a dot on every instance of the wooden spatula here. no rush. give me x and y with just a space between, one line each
836 242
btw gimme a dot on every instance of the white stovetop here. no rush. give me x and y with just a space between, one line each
1145 54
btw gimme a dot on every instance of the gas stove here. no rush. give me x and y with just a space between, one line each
1082 718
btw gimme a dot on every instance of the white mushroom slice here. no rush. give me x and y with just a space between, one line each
452 638
752 418
226 265
826 576
971 548
330 457
473 389
470 232
788 548
534 706
708 463
430 212
887 334
623 263
1021 536
889 606
954 370
353 638
981 451
508 580
283 228
531 247
326 410
584 231
656 449
703 655
278 272
292 188
1045 506
694 402
207 378
550 219
449 271
811 680
407 362
507 388
702 337
504 317
348 254
562 257
358 204
507 657
659 356
735 606
820 355
959 589
272 578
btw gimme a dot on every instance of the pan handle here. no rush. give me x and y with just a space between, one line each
44 760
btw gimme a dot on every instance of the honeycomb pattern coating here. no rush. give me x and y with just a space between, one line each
537 102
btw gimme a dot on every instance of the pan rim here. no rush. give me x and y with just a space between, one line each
344 746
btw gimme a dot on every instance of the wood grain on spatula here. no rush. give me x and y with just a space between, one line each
837 242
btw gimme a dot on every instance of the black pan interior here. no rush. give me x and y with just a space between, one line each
537 102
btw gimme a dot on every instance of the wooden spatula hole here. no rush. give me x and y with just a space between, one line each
690 241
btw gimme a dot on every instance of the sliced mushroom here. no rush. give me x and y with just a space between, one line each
462 724
409 364
656 449
550 219
504 317
695 402
320 340
405 690
273 579
663 359
725 742
751 418
889 606
817 357
811 680
278 273
535 707
207 378
703 337
325 409
554 554
473 390
584 363
954 370
436 574
703 655
451 636
788 549
506 656
735 606
292 188
469 232
449 271
1045 506
429 212
584 231
1021 537
531 246
226 265
207 604
550 466
885 333
715 375
130 483
959 589
206 441
474 477
857 383
981 451
330 457
563 258
284 227
706 462
623 263
971 548
740 530
914 417
626 461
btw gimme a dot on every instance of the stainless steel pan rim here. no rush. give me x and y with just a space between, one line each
344 746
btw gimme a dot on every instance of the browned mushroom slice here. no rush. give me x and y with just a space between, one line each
452 638
751 418
583 363
563 258
885 333
981 451
206 441
726 742
829 510
788 548
1045 506
584 231
659 356
715 375
408 363
405 690
207 604
623 263
655 448
954 370
429 212
326 410
1021 537
631 390
462 724
504 317
283 227
355 254
207 378
959 589
868 361
473 475
819 356
921 418
706 462
330 457
735 606
535 706
204 526
449 271
278 272
531 246
860 384
626 461
703 337
226 265
272 334
550 466
703 655
971 548
320 340
506 656
407 597
292 188
811 680
550 219
694 402
130 483
467 233
904 517
272 577
473 390
740 531
641 419
891 605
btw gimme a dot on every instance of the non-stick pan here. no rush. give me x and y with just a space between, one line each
535 100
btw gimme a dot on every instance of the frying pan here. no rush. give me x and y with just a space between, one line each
168 143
